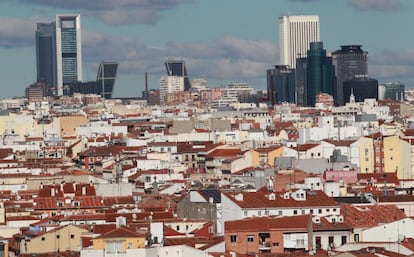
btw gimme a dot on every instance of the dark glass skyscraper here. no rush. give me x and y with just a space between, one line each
362 88
281 84
68 50
350 62
46 53
320 73
103 85
176 67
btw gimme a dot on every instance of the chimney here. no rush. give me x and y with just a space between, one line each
83 190
52 191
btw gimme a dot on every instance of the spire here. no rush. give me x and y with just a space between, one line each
352 96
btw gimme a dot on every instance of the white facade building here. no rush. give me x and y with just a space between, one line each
170 84
295 35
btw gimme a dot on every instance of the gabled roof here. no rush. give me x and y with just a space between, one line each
263 224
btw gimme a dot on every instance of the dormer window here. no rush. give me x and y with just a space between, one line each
60 204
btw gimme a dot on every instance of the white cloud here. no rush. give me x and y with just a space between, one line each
16 32
114 12
389 65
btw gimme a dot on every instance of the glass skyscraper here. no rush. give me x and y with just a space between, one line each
68 50
176 68
320 73
281 84
46 53
350 62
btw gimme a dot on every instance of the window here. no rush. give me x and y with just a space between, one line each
57 236
343 240
177 228
331 241
245 213
275 244
250 238
72 236
280 213
43 238
266 212
295 212
259 213
147 179
356 237
319 211
233 238
303 211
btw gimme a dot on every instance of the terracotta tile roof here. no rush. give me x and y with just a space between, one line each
304 147
122 232
168 231
224 153
389 177
370 215
261 200
51 203
117 200
325 225
300 222
340 142
4 152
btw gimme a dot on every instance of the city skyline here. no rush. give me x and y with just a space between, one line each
141 36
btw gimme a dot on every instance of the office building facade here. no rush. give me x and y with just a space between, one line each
350 62
392 90
103 85
177 68
295 35
360 89
68 50
46 53
320 73
281 84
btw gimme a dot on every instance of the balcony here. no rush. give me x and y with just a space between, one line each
264 246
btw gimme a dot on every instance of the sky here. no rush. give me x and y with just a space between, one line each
223 41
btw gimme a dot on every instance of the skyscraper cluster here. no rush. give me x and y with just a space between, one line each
314 70
59 61
59 52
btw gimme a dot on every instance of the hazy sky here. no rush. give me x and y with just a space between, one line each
222 41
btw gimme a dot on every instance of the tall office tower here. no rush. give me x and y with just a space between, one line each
46 54
68 50
320 73
350 62
301 82
295 35
176 67
281 84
